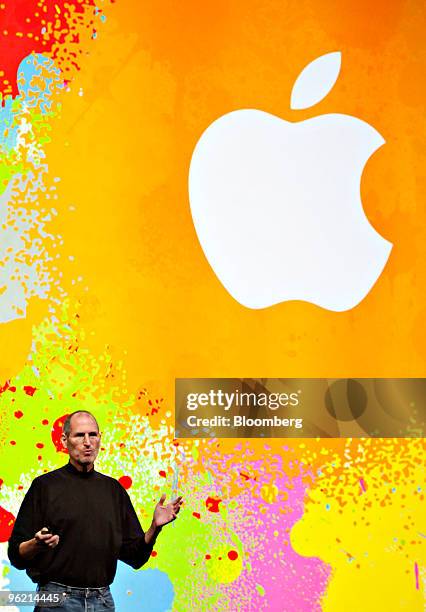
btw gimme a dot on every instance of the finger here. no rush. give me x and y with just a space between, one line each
177 500
162 499
42 537
51 539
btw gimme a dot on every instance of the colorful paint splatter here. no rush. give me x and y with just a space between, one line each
101 104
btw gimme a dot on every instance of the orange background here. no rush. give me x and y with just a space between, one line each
157 76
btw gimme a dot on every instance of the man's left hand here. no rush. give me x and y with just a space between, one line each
166 514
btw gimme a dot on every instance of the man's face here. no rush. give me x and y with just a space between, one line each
83 441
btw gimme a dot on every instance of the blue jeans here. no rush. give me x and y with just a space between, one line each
72 599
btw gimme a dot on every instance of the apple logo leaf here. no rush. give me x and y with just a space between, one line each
316 80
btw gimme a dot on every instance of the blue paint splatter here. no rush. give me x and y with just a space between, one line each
149 590
18 579
33 67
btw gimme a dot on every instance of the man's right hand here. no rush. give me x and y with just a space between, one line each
42 540
44 537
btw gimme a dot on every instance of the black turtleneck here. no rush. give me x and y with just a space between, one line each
96 523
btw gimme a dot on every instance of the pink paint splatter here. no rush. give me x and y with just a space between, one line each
264 533
275 579
416 573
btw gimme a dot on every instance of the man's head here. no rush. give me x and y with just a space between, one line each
82 439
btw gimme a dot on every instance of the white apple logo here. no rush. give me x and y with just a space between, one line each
276 205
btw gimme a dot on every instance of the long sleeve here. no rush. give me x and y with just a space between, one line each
94 518
26 524
134 550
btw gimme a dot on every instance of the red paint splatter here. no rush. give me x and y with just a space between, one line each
57 433
12 389
162 473
1 482
154 553
19 414
7 521
40 445
155 408
20 35
125 481
39 457
196 514
29 390
212 504
4 387
207 557
232 554
45 422
245 476
13 442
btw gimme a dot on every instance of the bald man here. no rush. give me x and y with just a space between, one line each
75 523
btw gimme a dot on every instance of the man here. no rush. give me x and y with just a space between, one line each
75 523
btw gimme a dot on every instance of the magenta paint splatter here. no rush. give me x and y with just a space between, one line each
416 574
